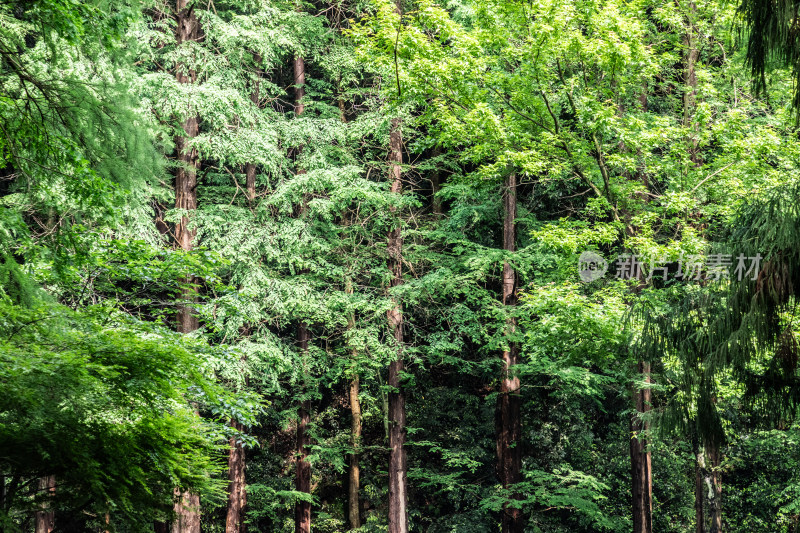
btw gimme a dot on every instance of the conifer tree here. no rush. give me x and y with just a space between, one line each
509 423
187 506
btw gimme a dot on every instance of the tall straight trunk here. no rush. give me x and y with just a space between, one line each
398 497
237 487
398 467
508 423
690 81
699 496
302 482
302 509
641 461
188 29
714 483
187 504
45 518
353 507
250 168
237 493
299 84
436 185
354 474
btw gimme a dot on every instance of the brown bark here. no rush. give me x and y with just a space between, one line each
187 513
187 505
699 466
508 422
45 519
237 487
302 509
690 82
353 507
188 29
714 483
250 180
641 461
299 107
398 497
237 490
250 168
299 85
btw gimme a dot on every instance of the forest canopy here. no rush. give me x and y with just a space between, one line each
399 266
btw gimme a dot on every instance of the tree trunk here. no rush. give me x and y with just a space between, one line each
187 505
508 423
237 492
641 461
237 488
699 495
436 185
187 512
188 29
299 85
398 497
302 509
353 507
714 483
250 168
690 81
398 468
45 518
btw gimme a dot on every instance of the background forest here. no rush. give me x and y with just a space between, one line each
272 266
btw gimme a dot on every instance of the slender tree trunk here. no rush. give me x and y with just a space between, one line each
690 81
714 483
398 468
188 29
299 85
237 491
353 507
187 505
237 487
436 185
45 518
508 423
302 509
641 476
250 168
398 497
699 494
